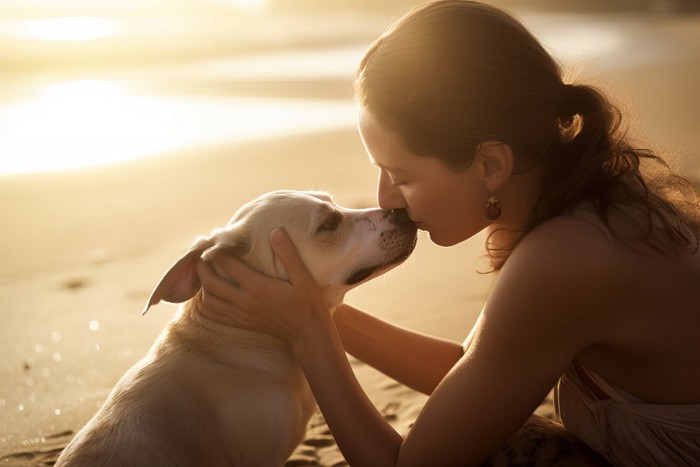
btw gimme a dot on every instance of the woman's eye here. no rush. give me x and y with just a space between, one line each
396 181
330 224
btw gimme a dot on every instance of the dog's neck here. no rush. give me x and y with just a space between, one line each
232 347
334 295
192 311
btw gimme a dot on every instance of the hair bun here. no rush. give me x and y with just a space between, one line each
568 104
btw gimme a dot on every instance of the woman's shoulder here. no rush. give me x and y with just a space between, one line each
559 281
580 236
568 262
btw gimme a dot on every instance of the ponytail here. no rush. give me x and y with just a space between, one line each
596 162
587 160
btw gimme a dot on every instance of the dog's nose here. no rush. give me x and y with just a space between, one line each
399 216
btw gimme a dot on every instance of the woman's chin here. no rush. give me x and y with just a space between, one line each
446 239
442 240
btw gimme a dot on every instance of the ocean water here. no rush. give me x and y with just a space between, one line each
88 90
107 124
92 120
92 83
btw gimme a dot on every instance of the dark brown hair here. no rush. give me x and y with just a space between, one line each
452 74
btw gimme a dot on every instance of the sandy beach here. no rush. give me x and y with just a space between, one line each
76 294
82 248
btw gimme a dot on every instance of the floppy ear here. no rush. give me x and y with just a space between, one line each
181 282
236 250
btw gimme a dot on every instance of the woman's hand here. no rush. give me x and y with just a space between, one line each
289 310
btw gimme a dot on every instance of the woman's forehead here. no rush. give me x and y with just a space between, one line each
385 148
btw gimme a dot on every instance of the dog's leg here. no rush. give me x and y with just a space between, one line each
543 442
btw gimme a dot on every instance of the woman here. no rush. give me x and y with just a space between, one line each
594 240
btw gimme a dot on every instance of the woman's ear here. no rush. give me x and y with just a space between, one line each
495 159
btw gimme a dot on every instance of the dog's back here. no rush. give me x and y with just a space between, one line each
200 397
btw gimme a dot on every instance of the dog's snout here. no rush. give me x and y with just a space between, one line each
399 216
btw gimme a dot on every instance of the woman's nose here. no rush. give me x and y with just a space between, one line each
388 196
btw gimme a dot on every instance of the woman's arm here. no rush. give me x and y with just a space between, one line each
364 437
417 360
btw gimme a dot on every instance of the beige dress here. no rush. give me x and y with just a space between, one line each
624 429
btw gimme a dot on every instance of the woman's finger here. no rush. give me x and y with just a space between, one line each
287 253
216 309
217 285
239 272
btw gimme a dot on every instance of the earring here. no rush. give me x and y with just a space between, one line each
492 211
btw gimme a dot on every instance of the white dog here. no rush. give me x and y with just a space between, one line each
208 394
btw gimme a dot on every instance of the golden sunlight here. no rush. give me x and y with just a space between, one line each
73 124
77 28
92 122
248 5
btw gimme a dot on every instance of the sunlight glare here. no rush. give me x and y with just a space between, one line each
73 124
90 122
251 6
76 28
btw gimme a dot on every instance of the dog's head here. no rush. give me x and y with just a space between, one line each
341 247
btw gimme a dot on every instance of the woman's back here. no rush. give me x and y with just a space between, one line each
650 343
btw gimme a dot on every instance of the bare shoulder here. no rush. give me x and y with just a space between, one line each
571 244
564 272
569 236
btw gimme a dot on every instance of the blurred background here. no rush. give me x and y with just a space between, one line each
89 82
127 127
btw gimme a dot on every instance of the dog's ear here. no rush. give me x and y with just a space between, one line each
237 249
181 282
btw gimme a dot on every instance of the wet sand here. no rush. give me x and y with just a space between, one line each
81 250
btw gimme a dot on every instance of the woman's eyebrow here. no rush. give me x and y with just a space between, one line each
394 170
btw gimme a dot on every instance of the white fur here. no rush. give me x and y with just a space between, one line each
208 394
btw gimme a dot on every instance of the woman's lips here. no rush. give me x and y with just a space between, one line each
420 225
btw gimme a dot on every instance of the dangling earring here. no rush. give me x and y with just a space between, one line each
492 211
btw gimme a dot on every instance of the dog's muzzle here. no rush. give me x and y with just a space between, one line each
399 216
398 243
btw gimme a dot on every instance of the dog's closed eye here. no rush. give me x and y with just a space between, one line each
330 223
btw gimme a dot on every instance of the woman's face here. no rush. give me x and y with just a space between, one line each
446 203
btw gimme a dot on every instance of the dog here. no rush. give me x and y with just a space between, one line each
209 394
541 442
